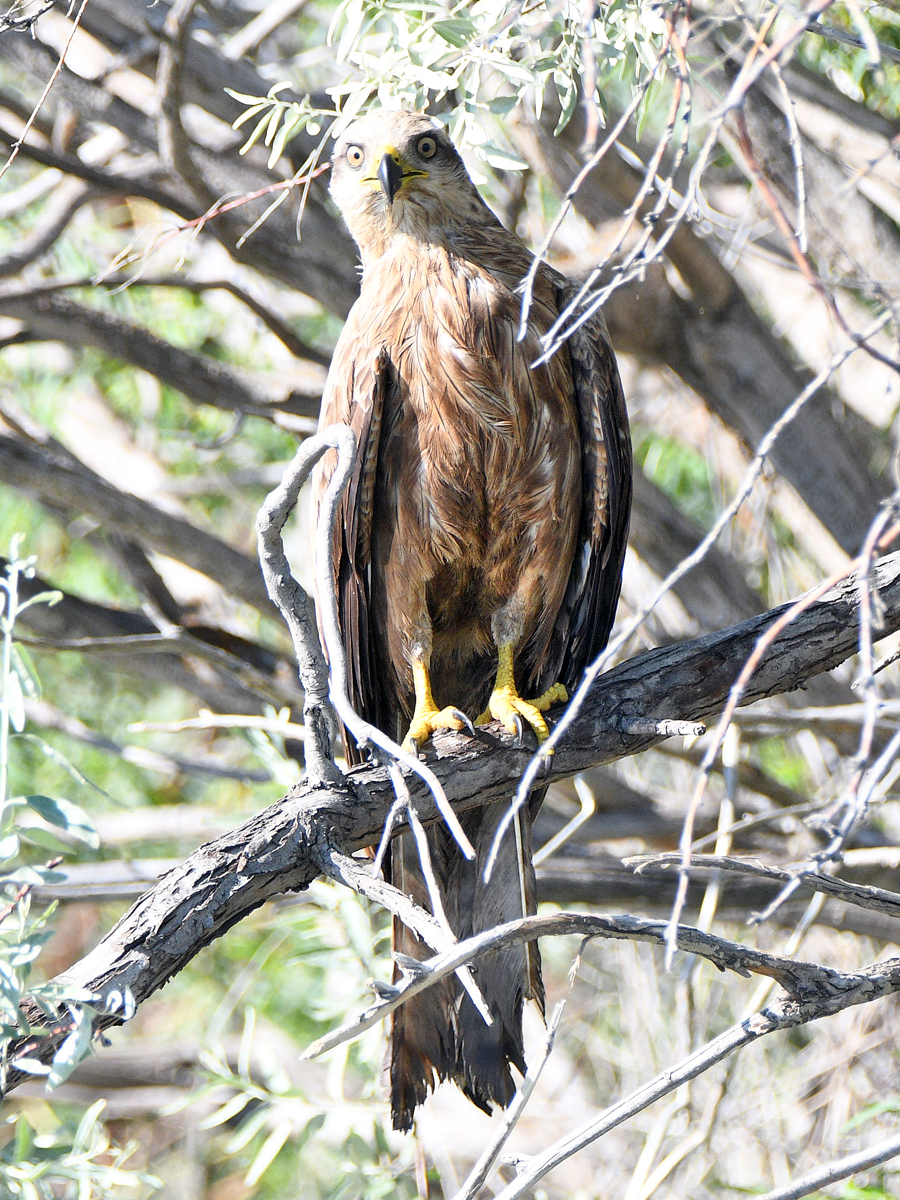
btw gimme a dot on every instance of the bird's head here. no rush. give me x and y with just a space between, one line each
399 173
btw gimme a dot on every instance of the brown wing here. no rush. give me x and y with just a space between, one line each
588 611
358 382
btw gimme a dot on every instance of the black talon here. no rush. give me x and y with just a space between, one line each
466 723
520 729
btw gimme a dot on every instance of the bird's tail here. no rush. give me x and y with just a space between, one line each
422 1050
440 1034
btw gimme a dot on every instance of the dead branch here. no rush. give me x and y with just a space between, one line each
51 316
862 987
294 604
46 715
800 980
73 619
874 898
280 848
49 477
842 1169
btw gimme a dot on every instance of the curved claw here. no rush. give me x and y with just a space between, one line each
519 728
464 721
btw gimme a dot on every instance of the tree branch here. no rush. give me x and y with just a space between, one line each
279 849
50 477
201 378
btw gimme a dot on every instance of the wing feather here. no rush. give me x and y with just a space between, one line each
357 399
588 611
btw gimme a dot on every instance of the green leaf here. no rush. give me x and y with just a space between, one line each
26 952
66 815
503 160
84 1134
229 1109
9 847
502 106
249 113
24 1139
24 668
242 98
274 121
288 127
568 98
247 1130
456 31
268 1152
73 1049
31 1066
36 835
257 132
50 598
34 875
61 761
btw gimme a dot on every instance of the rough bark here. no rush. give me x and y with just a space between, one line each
281 848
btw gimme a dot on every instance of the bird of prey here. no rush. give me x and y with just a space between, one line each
479 545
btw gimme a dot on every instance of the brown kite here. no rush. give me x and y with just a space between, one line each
479 545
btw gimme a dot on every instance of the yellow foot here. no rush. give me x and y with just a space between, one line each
508 707
429 720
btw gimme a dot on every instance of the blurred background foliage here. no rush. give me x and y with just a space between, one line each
127 369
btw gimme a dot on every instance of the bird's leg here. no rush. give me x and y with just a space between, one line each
508 707
505 703
427 717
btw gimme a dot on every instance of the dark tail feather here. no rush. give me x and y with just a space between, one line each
440 1034
422 1050
486 1054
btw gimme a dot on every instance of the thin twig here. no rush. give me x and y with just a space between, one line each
76 21
510 1117
844 1167
616 643
795 977
862 896
293 602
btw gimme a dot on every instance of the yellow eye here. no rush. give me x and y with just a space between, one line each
355 157
427 147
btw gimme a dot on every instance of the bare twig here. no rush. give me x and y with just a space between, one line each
616 643
842 1169
294 603
798 979
870 984
174 143
70 196
509 1118
76 21
874 898
24 24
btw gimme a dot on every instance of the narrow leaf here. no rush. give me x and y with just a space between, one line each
268 1152
66 815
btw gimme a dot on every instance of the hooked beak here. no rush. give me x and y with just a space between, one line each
390 176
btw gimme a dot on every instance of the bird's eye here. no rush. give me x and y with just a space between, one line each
427 147
355 157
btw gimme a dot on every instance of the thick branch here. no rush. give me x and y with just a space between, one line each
202 379
49 477
277 850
